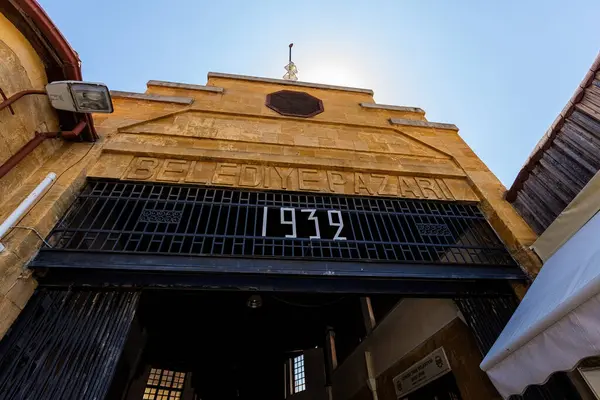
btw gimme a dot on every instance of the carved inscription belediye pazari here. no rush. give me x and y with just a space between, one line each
205 172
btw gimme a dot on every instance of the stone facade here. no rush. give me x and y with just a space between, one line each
224 134
21 69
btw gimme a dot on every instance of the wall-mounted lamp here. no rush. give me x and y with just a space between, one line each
74 96
82 97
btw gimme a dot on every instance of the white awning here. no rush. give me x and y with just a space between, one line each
558 322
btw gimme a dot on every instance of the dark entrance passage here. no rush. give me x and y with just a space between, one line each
242 345
199 344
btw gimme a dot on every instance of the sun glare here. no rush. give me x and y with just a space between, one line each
340 73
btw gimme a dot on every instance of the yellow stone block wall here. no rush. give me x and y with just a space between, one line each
20 69
233 139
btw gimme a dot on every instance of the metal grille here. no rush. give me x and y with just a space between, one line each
487 317
65 345
203 221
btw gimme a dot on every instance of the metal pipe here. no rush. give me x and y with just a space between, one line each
21 153
25 205
18 95
35 142
49 33
75 132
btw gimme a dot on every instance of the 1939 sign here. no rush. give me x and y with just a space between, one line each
289 217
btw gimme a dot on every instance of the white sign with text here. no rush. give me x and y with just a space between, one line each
428 369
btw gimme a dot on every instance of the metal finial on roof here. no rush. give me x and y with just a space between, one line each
291 68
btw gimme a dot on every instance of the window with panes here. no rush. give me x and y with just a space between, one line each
164 385
299 377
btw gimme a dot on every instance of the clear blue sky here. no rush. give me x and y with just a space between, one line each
500 70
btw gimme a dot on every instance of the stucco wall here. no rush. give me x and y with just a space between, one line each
405 328
412 330
463 356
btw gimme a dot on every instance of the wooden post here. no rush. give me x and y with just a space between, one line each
286 380
330 360
330 345
367 312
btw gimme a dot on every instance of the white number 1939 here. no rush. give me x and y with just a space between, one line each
287 216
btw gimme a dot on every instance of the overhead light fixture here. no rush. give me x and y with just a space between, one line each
81 97
255 301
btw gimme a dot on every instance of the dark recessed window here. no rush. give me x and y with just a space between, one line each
294 104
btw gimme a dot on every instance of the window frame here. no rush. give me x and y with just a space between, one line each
160 385
298 371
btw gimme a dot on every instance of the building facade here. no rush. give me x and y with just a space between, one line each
248 237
